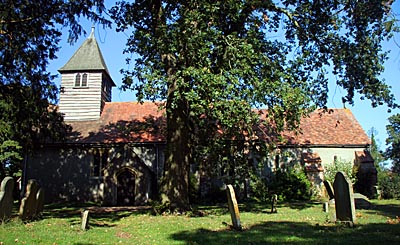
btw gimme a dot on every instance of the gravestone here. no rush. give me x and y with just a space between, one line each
85 220
6 198
329 189
233 207
344 198
325 207
361 201
39 202
274 201
27 210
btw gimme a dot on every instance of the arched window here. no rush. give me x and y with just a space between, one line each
99 163
81 80
78 80
84 80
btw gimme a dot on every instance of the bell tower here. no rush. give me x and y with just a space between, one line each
86 83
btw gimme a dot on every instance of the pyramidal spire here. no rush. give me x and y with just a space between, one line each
87 57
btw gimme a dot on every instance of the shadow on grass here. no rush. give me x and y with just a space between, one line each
293 232
255 207
391 210
99 216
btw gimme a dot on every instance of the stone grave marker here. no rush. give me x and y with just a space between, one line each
233 207
361 201
6 198
344 199
274 201
329 189
27 210
325 207
85 220
39 202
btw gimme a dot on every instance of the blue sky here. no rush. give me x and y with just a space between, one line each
112 43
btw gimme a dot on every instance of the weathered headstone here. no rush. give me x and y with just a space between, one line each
274 201
233 207
27 210
329 189
361 201
39 202
344 198
325 207
6 198
85 220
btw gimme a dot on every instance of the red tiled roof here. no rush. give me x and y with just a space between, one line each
336 127
134 122
311 157
122 122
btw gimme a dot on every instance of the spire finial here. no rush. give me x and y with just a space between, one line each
92 33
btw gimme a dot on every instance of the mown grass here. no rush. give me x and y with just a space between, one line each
303 223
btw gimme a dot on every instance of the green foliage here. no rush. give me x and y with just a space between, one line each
10 156
291 184
393 142
339 165
376 154
194 196
30 32
259 189
214 61
389 185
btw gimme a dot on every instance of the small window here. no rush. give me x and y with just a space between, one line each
84 80
81 80
100 157
78 80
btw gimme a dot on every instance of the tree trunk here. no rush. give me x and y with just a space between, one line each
175 182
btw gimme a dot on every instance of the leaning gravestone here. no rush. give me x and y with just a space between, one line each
39 202
329 189
27 210
233 207
6 198
344 198
85 220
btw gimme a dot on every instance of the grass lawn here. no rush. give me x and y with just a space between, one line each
294 223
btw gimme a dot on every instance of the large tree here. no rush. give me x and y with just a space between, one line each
393 142
217 60
30 32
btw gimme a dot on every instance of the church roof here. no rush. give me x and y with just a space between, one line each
123 122
88 57
334 127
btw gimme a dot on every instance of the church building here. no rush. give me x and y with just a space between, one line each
115 152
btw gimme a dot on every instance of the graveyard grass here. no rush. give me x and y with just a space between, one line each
293 223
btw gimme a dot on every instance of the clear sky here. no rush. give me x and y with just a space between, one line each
112 43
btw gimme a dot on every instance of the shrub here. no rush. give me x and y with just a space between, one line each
389 185
337 166
259 188
291 184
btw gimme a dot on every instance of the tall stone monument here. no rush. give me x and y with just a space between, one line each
344 198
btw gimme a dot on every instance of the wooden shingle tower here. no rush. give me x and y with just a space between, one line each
86 83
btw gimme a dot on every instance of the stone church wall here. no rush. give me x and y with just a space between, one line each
67 173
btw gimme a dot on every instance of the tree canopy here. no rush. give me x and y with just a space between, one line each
393 142
30 32
217 60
